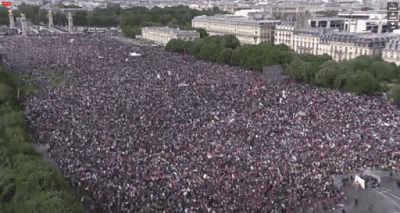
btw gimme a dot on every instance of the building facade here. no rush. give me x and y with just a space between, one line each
248 30
339 45
284 33
306 40
351 25
391 53
164 34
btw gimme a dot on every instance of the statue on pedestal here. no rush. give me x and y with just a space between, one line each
50 15
11 17
23 16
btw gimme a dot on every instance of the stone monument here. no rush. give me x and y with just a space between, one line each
11 16
24 27
70 23
51 24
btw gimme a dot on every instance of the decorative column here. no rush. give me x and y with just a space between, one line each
11 16
51 24
24 27
70 23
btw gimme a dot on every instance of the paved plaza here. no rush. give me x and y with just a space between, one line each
382 199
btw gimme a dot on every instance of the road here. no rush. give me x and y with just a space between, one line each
383 199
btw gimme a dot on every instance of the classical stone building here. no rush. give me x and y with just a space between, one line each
254 29
346 46
391 53
289 10
327 36
327 22
284 33
165 34
306 40
340 45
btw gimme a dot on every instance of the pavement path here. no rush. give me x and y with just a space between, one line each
382 199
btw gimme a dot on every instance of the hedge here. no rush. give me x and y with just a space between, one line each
359 75
27 184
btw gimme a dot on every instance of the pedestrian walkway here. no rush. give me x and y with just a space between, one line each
384 198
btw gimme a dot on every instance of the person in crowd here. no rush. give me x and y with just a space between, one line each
164 127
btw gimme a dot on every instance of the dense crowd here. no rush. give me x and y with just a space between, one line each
166 131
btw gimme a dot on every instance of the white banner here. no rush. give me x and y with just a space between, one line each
361 181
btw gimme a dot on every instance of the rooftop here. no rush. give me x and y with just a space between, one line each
232 18
327 18
173 30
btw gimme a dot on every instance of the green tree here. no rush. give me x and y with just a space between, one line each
165 19
79 18
231 41
177 45
31 12
173 23
382 70
128 31
301 70
395 94
225 56
362 62
341 80
42 17
282 48
203 32
362 82
209 52
328 73
60 19
4 16
197 46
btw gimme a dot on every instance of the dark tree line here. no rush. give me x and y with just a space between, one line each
365 74
130 20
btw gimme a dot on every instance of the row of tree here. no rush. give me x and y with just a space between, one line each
133 19
33 14
27 183
227 50
362 75
130 20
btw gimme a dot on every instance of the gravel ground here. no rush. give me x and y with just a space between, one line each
165 132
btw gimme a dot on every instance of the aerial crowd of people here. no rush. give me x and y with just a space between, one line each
165 131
